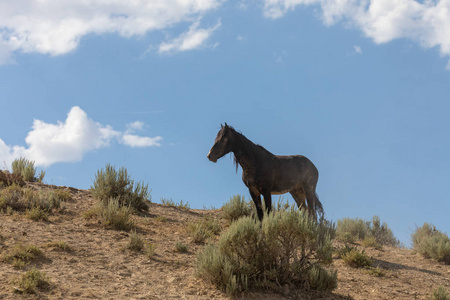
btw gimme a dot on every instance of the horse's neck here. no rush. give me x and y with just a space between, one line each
247 153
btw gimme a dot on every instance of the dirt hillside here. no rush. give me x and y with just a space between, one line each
98 264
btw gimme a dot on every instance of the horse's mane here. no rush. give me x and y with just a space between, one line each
247 144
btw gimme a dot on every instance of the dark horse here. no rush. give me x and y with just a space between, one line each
265 173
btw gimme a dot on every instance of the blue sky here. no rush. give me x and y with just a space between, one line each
359 87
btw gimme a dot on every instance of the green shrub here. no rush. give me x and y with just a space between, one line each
350 230
32 280
282 204
7 179
136 243
357 259
37 214
21 255
181 247
26 169
114 215
204 229
63 195
12 196
23 199
216 268
200 234
150 250
287 248
371 241
344 250
440 293
49 200
110 183
235 208
171 203
432 243
60 246
382 233
322 280
378 272
161 219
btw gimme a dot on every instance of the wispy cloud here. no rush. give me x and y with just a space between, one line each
279 57
141 141
137 125
425 22
56 27
194 38
70 140
132 140
357 49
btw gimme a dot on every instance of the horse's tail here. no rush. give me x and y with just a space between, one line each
318 207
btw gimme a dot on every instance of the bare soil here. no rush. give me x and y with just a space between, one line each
99 265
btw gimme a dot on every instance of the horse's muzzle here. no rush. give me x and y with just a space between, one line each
210 158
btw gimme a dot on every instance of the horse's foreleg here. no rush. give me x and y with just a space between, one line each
257 200
268 201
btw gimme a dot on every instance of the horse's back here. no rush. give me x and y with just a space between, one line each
296 161
294 168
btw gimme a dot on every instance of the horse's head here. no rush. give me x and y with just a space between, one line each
223 143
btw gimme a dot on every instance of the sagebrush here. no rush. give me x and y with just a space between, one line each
432 243
180 205
112 214
60 246
204 229
32 280
21 255
181 247
236 208
288 248
373 232
26 169
110 183
136 243
26 199
440 293
357 259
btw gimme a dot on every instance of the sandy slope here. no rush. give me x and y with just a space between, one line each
100 267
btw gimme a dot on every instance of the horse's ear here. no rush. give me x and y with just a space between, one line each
221 126
226 125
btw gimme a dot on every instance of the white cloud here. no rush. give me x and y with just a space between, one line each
194 38
137 125
7 155
70 140
141 141
132 140
357 49
277 8
427 22
56 27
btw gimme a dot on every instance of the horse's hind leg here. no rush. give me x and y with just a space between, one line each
314 205
299 197
257 200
